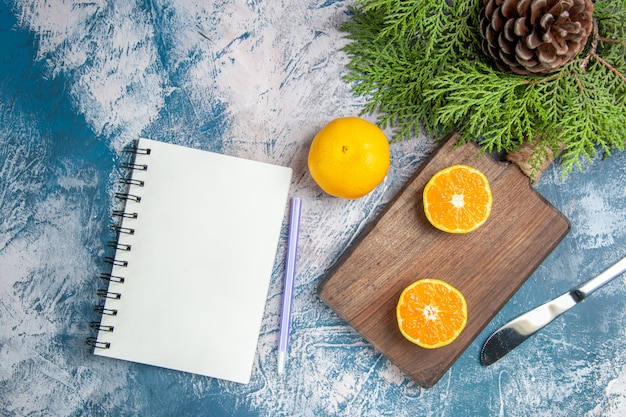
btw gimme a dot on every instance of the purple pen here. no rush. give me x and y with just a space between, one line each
290 273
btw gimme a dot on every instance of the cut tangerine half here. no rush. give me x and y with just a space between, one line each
458 199
431 313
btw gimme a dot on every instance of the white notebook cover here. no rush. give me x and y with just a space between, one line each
200 263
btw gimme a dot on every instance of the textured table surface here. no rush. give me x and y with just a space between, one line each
256 79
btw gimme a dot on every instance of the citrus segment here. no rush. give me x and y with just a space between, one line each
431 313
349 157
458 199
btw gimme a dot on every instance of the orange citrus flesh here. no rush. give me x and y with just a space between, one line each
431 313
458 199
349 157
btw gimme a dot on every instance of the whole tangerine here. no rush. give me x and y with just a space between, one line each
349 157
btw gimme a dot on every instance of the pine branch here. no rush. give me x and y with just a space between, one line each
419 63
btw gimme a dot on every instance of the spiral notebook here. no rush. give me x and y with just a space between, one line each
194 255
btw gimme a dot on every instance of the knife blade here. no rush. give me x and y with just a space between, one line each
512 334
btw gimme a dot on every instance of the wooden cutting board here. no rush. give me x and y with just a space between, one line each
488 265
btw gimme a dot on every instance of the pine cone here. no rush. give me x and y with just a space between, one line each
534 37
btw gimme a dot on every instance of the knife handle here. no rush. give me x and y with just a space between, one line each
584 290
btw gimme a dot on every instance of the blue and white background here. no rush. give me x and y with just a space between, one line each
80 79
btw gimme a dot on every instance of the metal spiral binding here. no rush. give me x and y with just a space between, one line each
131 181
137 167
118 229
111 278
106 311
126 215
119 246
92 341
115 262
128 197
139 151
125 230
101 327
109 294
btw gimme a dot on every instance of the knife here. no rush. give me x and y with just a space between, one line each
512 334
